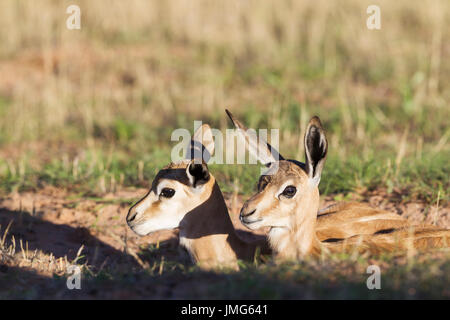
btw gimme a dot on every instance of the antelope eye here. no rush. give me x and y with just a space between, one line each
167 193
289 191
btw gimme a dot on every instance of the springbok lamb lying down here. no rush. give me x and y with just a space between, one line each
185 195
337 221
287 201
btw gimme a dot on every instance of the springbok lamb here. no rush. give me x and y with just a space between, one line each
185 195
337 221
288 201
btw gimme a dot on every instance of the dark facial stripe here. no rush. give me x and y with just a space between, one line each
178 174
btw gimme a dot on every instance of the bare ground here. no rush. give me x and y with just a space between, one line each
48 228
55 221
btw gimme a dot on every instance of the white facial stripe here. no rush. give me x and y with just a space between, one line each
167 215
280 191
162 222
164 183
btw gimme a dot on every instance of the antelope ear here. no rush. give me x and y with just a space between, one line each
316 147
266 154
201 145
197 173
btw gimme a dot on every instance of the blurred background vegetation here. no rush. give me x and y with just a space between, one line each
93 109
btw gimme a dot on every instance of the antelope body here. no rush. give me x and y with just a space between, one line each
344 220
185 195
198 209
287 201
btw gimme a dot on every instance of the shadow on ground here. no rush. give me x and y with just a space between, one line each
59 239
21 283
175 278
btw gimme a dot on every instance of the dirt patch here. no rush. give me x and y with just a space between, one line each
59 223
415 211
49 227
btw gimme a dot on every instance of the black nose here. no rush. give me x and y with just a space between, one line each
242 215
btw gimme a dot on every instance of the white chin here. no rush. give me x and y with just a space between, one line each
253 226
146 228
142 230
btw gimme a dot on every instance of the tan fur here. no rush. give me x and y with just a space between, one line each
344 220
297 228
209 236
411 238
198 210
292 236
206 230
338 221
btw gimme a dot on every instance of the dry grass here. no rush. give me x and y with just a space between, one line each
143 61
90 112
138 70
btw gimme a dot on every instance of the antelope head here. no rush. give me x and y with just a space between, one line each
287 198
177 189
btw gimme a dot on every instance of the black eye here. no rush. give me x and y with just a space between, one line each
167 193
289 191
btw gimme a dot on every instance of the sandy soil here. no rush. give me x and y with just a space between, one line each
58 223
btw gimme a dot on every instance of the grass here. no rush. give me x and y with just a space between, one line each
337 276
99 172
91 112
